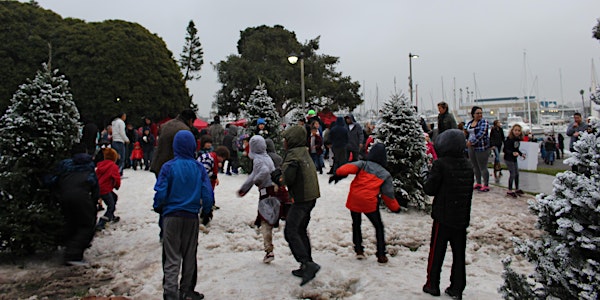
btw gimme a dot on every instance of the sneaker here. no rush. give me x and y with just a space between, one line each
511 194
269 257
116 219
360 255
382 259
431 291
477 186
77 263
519 192
453 294
228 173
309 271
484 188
190 295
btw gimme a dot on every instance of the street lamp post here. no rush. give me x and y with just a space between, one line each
410 81
293 58
582 103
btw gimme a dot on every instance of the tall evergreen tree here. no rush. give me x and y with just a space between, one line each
37 130
402 136
566 256
192 57
260 105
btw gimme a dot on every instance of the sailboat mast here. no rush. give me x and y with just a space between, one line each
562 98
526 88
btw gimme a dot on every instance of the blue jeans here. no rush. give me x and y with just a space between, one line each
295 232
120 148
497 154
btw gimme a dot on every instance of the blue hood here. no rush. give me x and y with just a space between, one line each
184 144
378 154
451 143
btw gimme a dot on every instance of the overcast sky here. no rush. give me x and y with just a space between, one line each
479 44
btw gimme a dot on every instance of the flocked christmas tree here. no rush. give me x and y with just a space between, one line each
566 256
402 136
36 131
260 105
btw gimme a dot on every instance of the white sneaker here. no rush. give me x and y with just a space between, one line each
269 257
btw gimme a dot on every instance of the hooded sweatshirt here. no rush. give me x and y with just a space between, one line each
183 185
262 165
371 180
338 134
451 181
299 172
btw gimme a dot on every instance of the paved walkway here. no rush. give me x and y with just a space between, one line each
530 182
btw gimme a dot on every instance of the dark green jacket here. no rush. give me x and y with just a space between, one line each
299 172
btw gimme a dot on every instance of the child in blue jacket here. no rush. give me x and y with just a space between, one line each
182 189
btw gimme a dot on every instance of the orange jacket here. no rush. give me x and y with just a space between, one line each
371 181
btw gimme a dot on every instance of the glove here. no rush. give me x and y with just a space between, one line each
158 209
145 138
336 178
206 217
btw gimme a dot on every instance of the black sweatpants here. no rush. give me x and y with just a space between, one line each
375 218
440 236
296 233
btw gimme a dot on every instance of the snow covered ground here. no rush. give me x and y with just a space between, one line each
230 250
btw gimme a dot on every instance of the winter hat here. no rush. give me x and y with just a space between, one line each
311 112
110 154
217 119
261 121
378 154
425 134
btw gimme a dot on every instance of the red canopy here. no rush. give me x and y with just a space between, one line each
327 117
240 123
200 124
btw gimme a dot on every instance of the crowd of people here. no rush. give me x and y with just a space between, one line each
187 162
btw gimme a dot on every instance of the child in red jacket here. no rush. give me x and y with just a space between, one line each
137 154
371 181
109 178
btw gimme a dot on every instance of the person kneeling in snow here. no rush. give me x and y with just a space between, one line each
451 183
182 189
371 180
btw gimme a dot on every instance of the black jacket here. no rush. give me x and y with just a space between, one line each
496 137
510 146
451 181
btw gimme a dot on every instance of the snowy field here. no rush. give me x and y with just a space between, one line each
128 253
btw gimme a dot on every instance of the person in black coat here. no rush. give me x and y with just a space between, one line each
451 183
76 186
338 136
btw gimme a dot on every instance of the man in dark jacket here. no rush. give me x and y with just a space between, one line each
166 134
338 136
355 138
300 177
229 140
451 183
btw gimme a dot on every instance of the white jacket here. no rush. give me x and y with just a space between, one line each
118 131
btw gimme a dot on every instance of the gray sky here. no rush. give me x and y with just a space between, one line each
463 40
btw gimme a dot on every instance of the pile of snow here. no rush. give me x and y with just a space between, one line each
230 248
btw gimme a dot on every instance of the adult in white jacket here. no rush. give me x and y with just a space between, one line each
119 139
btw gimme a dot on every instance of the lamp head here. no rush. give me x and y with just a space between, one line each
293 58
413 55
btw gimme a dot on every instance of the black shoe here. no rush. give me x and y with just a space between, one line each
431 291
116 219
309 271
297 272
190 295
452 293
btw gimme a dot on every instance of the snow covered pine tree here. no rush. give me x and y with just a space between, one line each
37 130
566 256
260 105
402 136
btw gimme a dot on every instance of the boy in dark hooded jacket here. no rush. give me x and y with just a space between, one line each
300 177
371 181
78 192
451 183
